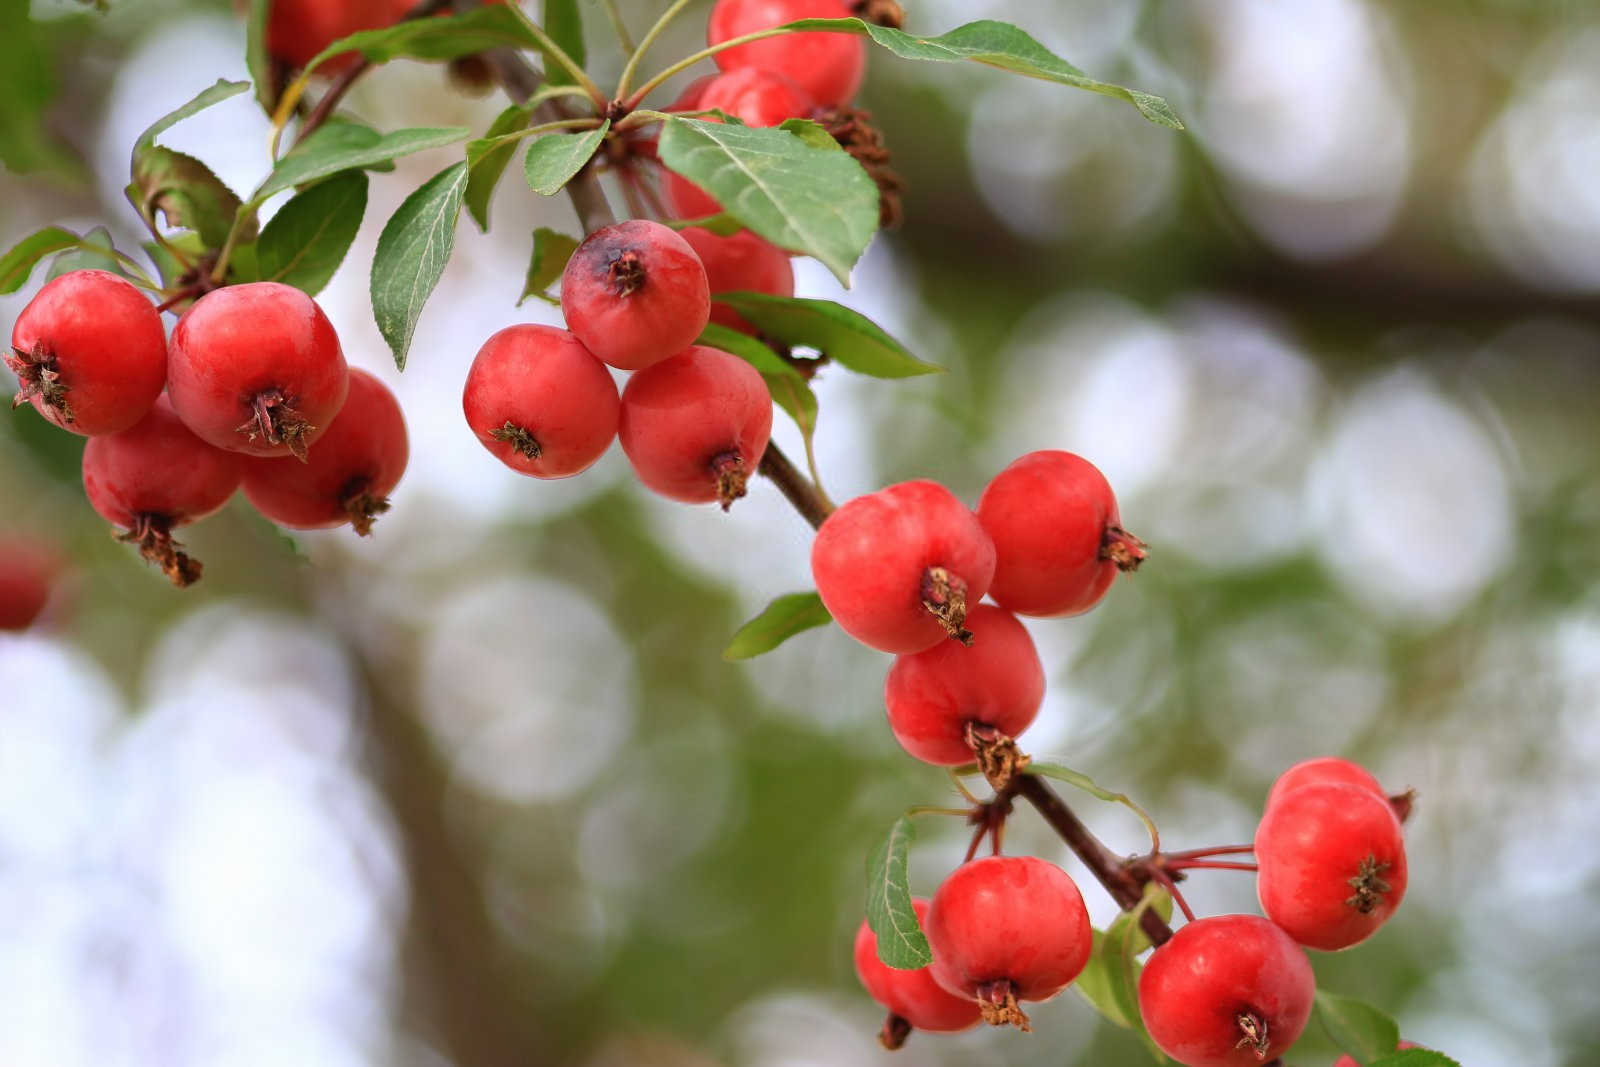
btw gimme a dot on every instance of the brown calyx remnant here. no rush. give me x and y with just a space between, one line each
945 597
998 756
998 1001
852 127
1402 803
1369 885
1253 1029
880 12
894 1033
626 273
277 423
362 507
39 375
1122 548
731 474
519 439
153 536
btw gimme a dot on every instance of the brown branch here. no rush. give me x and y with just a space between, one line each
796 487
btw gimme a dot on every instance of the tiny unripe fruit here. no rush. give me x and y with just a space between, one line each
828 66
350 472
754 96
90 353
741 263
898 568
1057 536
933 697
1226 991
1005 929
1321 771
28 571
540 401
257 369
912 996
635 293
695 426
1332 864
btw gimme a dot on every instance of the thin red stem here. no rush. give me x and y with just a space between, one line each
1202 853
1205 865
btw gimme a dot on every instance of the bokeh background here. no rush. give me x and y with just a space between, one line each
480 791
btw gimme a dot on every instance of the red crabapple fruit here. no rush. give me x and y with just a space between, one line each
90 353
635 293
28 570
349 473
1332 864
257 368
540 401
913 999
1320 771
154 477
695 426
1226 991
1005 929
754 96
741 263
828 66
898 568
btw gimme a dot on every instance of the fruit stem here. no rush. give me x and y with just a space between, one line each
894 1033
800 491
1122 548
944 595
649 38
619 27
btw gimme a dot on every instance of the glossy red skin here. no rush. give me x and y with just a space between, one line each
1194 987
828 66
157 468
741 263
1309 844
1349 1061
365 450
912 995
243 340
1008 918
1320 771
659 318
755 97
932 695
681 414
543 380
28 571
871 555
108 344
297 30
1047 513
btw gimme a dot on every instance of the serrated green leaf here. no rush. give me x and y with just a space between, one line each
847 337
780 620
1415 1057
1079 780
788 386
256 59
216 94
551 250
800 198
564 23
890 913
93 253
187 192
554 158
348 150
436 39
307 239
412 252
487 158
1359 1029
18 262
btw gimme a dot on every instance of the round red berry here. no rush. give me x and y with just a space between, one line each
299 29
155 477
937 696
695 426
350 472
1226 991
28 571
257 369
1332 864
754 96
1005 929
741 263
1349 1061
898 568
912 996
828 66
90 353
540 401
1320 771
1057 536
635 293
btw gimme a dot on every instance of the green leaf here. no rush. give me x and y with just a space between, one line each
1359 1029
788 386
1002 45
256 59
58 454
168 266
92 253
553 159
847 337
307 239
348 149
551 250
18 263
437 39
778 621
487 158
220 91
412 252
564 24
339 135
901 943
1414 1057
722 224
30 83
187 192
1079 780
812 133
801 198
1118 951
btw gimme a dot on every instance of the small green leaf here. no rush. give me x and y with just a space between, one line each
255 54
18 263
1124 940
551 250
93 253
307 239
564 24
412 252
1359 1029
345 150
812 133
1094 982
1414 1057
553 159
166 264
1079 780
337 136
487 158
799 197
847 337
187 192
778 621
437 39
890 914
216 94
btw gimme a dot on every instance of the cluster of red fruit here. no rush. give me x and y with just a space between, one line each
256 393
